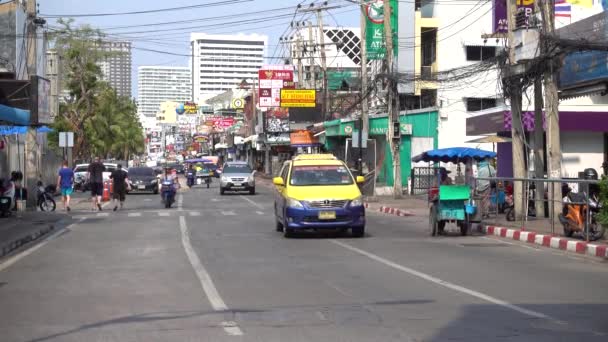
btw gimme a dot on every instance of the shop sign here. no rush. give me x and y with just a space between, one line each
298 98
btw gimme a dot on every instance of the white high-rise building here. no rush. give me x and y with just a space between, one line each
157 84
221 62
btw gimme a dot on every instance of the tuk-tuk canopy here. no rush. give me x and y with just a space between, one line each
454 155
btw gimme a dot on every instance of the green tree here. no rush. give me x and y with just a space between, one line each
103 123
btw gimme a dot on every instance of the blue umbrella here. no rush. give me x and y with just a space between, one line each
44 129
454 155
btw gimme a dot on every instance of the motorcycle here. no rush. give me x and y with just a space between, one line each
204 176
167 192
575 213
190 177
45 197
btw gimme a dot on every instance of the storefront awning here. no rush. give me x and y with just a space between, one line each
14 115
219 146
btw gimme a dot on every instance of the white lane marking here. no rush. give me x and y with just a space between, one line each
102 214
510 243
215 200
228 213
259 206
231 328
163 213
259 212
147 200
134 215
216 301
195 213
443 283
12 260
180 202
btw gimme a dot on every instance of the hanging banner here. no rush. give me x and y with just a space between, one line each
374 16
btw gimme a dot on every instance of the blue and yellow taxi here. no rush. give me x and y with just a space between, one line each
316 192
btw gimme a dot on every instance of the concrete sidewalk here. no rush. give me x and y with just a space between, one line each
18 230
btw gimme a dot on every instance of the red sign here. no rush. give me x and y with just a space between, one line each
273 78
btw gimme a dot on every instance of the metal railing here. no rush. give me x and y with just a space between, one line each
490 191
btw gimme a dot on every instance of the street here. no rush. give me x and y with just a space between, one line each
213 268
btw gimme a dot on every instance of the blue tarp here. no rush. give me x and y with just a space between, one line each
9 130
454 155
199 160
14 115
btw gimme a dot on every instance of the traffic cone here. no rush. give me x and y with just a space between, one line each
106 192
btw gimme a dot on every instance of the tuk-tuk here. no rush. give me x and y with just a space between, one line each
454 203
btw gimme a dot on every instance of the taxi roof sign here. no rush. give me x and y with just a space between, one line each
315 157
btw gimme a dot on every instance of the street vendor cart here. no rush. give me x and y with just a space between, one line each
454 203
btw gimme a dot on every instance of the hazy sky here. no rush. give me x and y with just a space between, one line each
173 37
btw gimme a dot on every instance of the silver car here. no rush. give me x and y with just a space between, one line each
237 176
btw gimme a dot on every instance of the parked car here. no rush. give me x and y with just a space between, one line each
81 183
318 191
237 176
143 179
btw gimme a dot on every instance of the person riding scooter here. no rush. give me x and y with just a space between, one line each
169 185
190 176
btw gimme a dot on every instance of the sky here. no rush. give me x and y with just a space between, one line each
174 37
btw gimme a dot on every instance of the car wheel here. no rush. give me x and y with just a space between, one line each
252 191
358 232
222 190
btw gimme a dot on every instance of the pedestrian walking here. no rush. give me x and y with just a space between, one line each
95 176
120 184
65 182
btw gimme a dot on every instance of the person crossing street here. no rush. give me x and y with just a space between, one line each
120 184
65 182
95 176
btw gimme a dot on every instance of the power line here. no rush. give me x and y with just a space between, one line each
211 4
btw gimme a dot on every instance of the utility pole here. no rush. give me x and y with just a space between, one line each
326 105
31 148
393 102
364 126
311 53
300 55
554 153
539 165
517 132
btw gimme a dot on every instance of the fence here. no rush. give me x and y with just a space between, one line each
422 179
488 189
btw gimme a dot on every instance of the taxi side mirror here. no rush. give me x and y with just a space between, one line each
278 181
360 179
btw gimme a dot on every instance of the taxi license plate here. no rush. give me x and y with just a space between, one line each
327 215
141 187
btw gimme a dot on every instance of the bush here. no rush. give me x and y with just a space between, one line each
603 216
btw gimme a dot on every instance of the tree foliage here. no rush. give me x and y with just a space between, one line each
104 124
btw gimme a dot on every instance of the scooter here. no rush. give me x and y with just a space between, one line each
190 177
45 197
208 179
167 192
574 216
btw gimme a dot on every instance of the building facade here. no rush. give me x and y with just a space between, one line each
221 62
157 84
116 66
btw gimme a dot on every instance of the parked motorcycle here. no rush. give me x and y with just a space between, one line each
578 206
167 192
45 197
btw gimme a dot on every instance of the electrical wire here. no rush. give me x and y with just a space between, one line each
211 4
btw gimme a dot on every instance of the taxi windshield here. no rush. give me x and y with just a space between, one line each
320 175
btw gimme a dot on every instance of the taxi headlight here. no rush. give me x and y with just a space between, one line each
356 202
293 203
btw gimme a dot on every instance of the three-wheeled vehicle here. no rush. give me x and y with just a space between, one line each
454 203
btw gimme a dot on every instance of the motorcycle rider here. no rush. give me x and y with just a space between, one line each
191 175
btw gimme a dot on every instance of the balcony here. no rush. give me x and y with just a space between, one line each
427 73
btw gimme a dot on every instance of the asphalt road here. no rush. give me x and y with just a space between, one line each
213 268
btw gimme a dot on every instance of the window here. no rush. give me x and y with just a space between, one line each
320 175
480 53
477 104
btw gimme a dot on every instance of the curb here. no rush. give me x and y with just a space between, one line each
555 242
11 246
391 211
